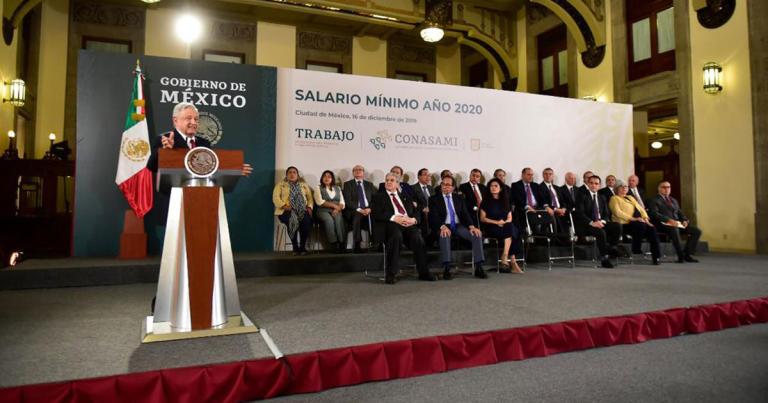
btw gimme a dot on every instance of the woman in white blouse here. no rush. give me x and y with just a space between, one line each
330 203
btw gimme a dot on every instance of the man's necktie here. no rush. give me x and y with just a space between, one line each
361 195
595 209
638 198
192 143
399 206
477 195
528 195
425 191
554 198
573 198
451 213
668 201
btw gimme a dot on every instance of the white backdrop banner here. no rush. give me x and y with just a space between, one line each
334 121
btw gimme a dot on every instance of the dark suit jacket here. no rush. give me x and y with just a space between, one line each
438 211
469 195
606 193
660 211
383 210
569 200
419 195
178 142
585 207
519 199
351 198
546 196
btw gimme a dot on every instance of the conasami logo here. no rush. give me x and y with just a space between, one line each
379 141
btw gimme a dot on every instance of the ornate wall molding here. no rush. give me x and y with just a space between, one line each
108 14
597 7
232 31
325 42
411 53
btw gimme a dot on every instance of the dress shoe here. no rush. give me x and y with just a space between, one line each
389 279
621 251
505 270
427 277
655 261
479 272
680 260
690 259
606 263
357 250
447 274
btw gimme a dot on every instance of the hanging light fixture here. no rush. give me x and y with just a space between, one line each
15 92
656 145
712 78
438 14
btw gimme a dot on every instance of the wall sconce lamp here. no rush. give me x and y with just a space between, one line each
15 92
713 73
438 14
11 153
49 155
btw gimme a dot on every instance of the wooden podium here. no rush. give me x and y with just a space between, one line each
197 290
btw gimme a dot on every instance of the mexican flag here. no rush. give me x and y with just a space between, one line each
133 178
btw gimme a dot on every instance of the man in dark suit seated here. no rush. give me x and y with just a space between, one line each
633 182
358 194
552 199
448 217
607 191
593 218
184 135
666 215
423 191
584 188
444 173
402 187
473 192
395 221
527 199
570 192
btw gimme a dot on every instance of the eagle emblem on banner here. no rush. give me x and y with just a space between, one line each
135 149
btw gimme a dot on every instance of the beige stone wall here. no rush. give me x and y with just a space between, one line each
593 81
7 73
159 39
448 64
52 75
724 153
369 56
275 45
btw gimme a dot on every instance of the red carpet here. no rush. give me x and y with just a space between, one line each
320 370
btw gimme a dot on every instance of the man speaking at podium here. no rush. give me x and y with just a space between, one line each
184 134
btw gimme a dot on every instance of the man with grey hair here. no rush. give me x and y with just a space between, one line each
358 195
570 191
395 222
184 134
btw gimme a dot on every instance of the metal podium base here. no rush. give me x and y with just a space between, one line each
162 331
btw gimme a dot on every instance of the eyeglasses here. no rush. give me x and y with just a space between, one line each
665 187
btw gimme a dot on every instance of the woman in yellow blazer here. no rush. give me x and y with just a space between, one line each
293 207
626 211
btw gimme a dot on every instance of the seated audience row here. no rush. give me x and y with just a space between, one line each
494 210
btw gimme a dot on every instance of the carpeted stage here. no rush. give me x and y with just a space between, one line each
68 333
